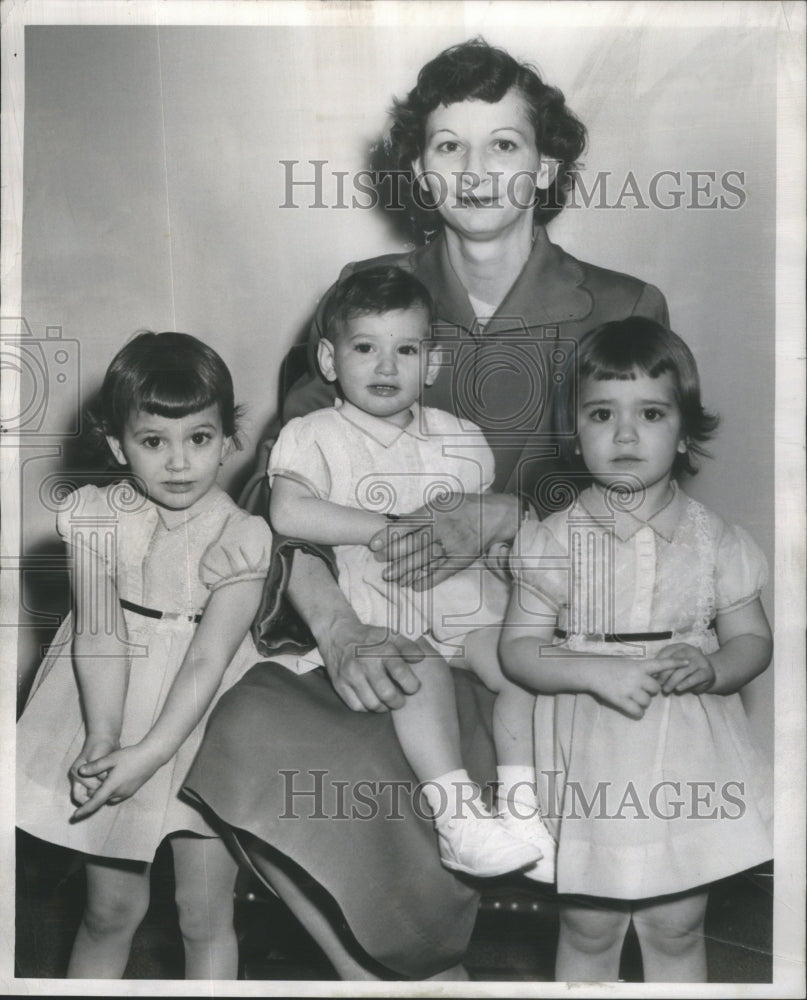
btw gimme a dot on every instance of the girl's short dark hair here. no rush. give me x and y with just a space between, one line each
168 374
619 349
477 71
372 291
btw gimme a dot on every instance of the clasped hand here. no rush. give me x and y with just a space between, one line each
111 778
629 684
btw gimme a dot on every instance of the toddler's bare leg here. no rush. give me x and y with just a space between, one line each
514 707
205 880
590 941
670 932
117 900
427 725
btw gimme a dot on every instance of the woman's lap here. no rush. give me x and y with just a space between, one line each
284 760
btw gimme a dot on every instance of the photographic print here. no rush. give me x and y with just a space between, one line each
403 498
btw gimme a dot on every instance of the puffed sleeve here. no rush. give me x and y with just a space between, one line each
742 570
80 516
241 552
298 455
539 563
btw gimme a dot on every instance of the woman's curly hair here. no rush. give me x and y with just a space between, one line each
477 71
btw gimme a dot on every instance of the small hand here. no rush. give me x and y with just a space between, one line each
123 772
692 671
428 546
369 667
628 684
81 787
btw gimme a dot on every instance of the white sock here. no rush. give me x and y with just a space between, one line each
516 783
451 794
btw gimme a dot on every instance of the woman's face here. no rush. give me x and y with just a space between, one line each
480 166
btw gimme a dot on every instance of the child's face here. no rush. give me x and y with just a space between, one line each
378 362
177 458
631 428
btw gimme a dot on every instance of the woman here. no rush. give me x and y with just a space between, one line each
492 149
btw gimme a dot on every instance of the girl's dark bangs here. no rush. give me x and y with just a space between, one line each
174 394
607 369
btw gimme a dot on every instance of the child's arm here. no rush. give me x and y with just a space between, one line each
296 512
529 658
745 651
226 620
101 665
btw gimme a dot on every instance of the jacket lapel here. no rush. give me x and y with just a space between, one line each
548 291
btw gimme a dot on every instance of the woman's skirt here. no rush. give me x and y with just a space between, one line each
284 760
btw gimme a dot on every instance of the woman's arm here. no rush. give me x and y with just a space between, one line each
224 624
746 646
295 511
368 666
465 532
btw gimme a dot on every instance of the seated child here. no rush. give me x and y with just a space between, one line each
341 475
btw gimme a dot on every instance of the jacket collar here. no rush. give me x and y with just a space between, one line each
382 431
549 289
625 523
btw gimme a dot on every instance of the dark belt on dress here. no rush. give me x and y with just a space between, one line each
624 636
153 613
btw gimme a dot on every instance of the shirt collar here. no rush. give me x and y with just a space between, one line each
549 289
172 519
625 523
382 431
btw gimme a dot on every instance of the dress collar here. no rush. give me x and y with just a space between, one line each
625 523
549 289
382 431
172 519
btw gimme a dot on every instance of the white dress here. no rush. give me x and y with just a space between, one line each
679 798
169 561
346 456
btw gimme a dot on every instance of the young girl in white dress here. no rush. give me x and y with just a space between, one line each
636 616
341 474
167 576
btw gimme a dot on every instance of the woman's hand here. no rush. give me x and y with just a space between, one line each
369 666
121 772
628 683
95 746
692 673
429 545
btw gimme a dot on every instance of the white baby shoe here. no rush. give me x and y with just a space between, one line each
482 845
531 829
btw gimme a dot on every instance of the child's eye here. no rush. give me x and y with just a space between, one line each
408 349
363 348
653 414
600 415
200 437
151 442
